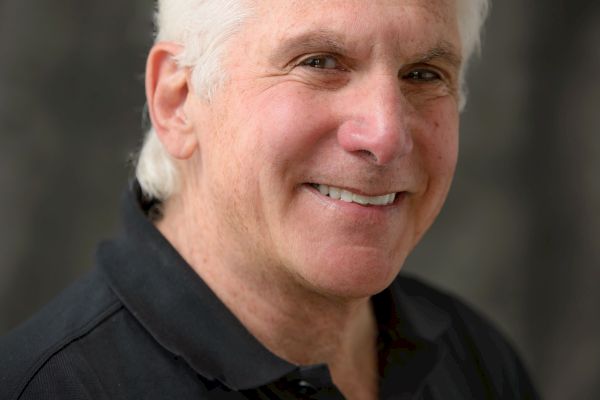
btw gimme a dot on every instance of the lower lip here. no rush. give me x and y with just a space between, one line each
355 208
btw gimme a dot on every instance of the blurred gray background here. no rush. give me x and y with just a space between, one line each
518 238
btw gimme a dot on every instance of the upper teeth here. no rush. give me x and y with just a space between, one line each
346 195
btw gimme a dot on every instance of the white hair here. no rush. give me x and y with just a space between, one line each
203 27
471 16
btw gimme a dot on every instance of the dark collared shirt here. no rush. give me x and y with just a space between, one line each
143 325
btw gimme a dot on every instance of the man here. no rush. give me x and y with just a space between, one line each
299 151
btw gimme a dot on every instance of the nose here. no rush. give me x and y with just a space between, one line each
378 122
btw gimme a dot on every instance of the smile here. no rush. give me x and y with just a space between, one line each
350 197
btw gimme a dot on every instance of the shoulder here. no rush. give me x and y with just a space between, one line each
471 337
38 356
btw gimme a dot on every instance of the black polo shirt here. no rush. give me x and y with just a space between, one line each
143 325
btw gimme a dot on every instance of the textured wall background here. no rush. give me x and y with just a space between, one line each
518 237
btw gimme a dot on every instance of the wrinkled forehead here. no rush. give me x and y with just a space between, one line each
407 23
440 9
290 14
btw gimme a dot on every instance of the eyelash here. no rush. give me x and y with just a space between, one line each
417 75
318 62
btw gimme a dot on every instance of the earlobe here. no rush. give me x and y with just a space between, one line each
167 91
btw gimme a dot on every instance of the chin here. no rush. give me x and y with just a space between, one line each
352 276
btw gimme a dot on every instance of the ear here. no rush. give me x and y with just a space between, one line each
167 91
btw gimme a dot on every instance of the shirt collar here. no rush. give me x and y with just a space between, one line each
410 331
184 316
177 308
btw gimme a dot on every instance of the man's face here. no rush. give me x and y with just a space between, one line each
347 98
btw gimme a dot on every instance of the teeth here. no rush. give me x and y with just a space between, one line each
347 196
335 193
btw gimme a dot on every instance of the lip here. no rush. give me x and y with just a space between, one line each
355 206
353 190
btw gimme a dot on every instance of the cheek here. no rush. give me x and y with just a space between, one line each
437 151
439 143
265 143
290 124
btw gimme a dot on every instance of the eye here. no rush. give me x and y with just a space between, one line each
321 61
422 75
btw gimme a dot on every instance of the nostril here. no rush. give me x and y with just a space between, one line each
368 154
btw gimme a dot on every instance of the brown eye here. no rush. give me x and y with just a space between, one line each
321 62
422 75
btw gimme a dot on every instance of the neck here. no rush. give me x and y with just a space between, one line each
294 322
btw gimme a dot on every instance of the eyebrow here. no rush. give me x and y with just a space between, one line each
324 40
321 40
442 51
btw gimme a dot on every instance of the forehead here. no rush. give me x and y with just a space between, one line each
405 22
301 9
